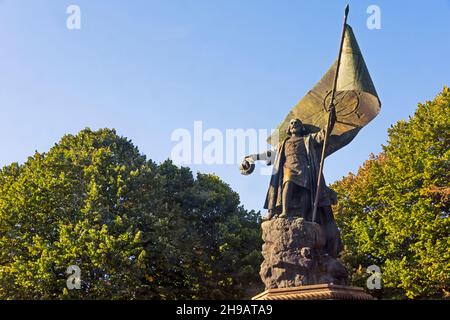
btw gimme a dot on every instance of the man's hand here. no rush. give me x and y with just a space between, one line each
247 166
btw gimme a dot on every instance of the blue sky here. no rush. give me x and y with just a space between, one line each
147 68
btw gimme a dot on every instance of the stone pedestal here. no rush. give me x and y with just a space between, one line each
294 255
297 267
315 292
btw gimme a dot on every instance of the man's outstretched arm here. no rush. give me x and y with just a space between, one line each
248 165
268 156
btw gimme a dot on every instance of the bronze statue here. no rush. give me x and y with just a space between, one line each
325 120
301 238
292 185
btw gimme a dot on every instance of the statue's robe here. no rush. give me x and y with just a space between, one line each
313 145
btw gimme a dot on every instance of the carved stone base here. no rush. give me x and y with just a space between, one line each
294 255
315 292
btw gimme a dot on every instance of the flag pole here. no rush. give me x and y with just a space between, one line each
330 107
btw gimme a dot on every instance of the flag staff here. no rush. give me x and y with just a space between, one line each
330 109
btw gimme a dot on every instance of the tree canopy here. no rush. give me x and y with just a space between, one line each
394 212
136 229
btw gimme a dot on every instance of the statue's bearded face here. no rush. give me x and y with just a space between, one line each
296 127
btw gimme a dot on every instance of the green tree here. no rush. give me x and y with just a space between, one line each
136 229
394 212
228 240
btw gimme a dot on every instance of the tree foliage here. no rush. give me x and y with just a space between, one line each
137 230
394 212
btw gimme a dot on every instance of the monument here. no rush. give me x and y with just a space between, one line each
301 239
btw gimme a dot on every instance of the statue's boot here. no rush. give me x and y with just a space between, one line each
270 216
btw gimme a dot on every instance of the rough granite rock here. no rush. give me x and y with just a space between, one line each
294 255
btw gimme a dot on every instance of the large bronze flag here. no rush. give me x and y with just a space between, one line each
356 99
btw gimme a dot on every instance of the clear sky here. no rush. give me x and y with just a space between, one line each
148 67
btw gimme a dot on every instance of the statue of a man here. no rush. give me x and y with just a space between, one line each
294 179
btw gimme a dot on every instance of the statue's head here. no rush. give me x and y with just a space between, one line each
296 128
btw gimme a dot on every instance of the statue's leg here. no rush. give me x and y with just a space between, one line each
286 198
305 204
